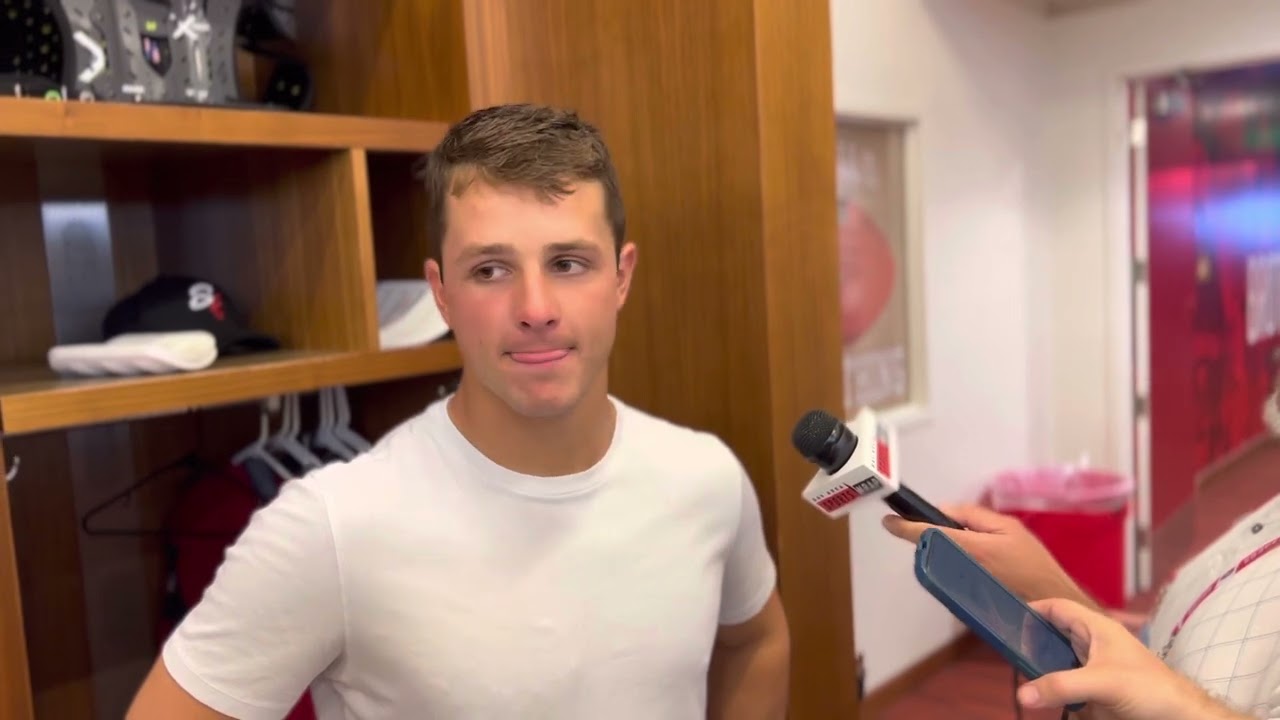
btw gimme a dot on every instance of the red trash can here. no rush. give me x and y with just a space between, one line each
1080 515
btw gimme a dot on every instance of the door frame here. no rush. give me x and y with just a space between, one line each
1139 531
1128 317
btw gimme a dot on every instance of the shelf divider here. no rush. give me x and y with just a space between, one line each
33 399
34 118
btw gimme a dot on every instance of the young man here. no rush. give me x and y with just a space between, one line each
530 547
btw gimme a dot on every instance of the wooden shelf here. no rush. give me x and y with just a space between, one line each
34 118
34 399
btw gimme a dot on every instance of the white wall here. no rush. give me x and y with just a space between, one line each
969 71
1023 195
1084 134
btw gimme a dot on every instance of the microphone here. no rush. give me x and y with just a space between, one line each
856 463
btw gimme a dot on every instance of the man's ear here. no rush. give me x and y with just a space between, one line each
626 269
432 270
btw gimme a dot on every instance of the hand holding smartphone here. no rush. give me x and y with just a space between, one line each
1021 635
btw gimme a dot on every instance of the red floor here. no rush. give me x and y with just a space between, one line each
979 685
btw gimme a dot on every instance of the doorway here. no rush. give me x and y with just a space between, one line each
1206 249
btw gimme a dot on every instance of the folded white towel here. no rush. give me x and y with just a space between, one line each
137 354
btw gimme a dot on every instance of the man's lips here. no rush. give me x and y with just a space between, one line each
538 357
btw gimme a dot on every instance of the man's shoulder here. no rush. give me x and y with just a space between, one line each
661 440
402 451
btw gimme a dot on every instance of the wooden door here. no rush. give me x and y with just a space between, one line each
719 116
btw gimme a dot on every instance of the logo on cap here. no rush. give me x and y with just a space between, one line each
202 296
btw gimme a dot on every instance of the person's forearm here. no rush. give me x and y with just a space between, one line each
1222 713
1193 704
750 682
1067 588
1207 708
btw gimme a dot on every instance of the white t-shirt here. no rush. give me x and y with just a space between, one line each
422 580
1230 642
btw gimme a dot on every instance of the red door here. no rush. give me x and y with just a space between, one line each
1213 237
1172 163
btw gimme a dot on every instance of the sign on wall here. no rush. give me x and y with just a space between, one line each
1262 297
871 201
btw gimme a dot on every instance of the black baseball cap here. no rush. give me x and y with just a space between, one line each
174 303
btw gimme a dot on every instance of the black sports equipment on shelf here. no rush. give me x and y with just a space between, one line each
156 51
33 56
268 30
166 51
175 51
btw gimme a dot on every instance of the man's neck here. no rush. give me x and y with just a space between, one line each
544 447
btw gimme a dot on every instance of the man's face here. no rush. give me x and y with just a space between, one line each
531 289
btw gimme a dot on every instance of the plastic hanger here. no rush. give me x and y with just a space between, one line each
325 437
257 449
342 427
13 469
286 438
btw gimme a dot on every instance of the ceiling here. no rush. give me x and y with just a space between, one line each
1063 7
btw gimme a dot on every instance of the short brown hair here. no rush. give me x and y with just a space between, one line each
532 146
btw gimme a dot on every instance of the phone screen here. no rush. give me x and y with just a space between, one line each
1006 617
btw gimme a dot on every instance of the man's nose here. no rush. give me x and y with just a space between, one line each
536 306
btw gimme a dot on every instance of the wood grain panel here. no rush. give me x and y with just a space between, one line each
42 504
671 87
285 233
797 175
15 678
37 546
132 223
23 120
399 216
719 117
394 58
354 264
24 283
100 578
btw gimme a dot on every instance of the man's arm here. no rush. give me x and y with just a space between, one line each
270 623
751 667
161 697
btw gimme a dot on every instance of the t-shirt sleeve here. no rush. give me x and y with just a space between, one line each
272 619
750 573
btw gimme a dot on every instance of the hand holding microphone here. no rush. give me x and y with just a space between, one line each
857 463
860 460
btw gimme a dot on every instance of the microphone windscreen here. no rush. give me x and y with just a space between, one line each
813 431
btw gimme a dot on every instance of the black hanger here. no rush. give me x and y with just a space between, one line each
194 467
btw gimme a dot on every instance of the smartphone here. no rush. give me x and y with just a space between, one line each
1021 635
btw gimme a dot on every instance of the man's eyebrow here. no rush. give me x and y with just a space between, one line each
579 246
507 250
489 250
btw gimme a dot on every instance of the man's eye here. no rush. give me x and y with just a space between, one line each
569 265
487 272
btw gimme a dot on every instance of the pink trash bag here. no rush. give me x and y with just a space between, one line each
1070 488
